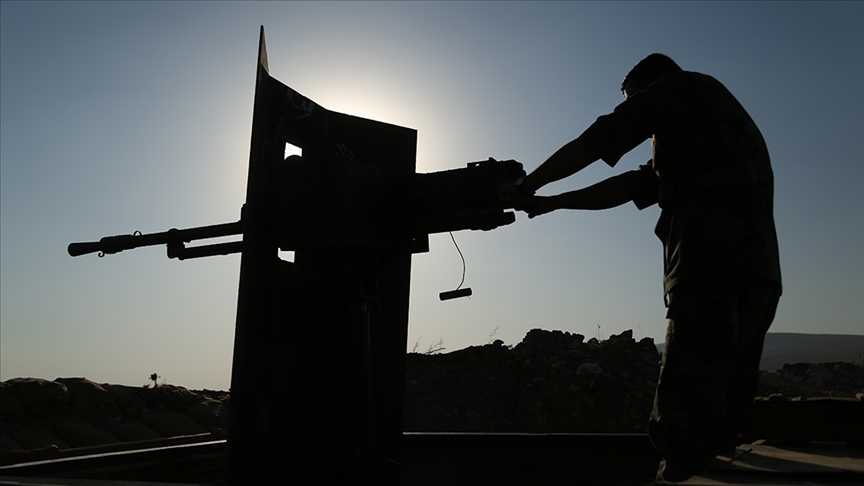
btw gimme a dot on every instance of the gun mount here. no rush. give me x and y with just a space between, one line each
353 210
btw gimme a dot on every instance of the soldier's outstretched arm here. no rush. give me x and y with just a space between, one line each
605 194
566 161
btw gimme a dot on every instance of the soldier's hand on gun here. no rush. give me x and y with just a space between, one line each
537 205
509 194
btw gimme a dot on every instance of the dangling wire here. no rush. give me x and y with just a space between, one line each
459 292
463 260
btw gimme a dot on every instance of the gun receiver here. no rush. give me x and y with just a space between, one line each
339 202
460 199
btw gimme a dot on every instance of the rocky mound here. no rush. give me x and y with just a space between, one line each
552 381
66 413
806 380
555 381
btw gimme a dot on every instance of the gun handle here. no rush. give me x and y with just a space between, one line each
455 294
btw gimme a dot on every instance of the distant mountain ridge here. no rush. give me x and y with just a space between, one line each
792 347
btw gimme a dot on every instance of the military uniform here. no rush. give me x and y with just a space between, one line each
711 176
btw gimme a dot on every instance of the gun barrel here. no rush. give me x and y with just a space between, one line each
78 249
118 243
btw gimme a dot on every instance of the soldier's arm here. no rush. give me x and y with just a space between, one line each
566 161
608 138
605 194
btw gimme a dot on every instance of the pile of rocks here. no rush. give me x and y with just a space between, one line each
555 381
806 380
40 414
552 381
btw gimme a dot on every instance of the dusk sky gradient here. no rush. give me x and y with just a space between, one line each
124 116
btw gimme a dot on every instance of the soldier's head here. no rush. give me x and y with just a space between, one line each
646 72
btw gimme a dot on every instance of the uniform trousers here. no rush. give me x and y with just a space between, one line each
710 368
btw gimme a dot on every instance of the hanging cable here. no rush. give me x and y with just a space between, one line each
459 292
460 256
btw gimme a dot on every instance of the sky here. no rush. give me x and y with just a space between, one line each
125 116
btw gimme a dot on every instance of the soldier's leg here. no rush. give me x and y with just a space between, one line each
756 308
689 418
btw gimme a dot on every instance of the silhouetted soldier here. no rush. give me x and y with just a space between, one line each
711 176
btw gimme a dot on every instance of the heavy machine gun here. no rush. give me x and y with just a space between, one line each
340 202
353 210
